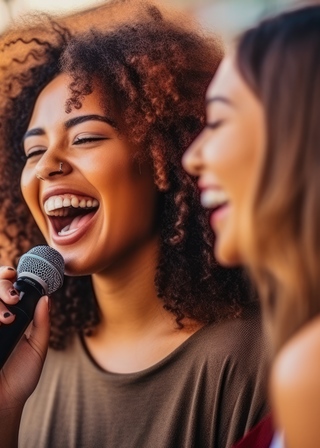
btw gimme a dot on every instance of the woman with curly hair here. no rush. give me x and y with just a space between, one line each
152 343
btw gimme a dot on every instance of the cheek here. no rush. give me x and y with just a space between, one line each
231 157
27 185
124 186
138 190
30 192
220 157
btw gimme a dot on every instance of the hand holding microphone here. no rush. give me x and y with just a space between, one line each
40 272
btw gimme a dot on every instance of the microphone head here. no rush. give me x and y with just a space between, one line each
45 263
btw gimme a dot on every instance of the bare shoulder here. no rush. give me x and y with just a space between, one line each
295 387
299 359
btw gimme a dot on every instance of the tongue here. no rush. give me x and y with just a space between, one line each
80 221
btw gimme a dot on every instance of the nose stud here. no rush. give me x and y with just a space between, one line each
60 171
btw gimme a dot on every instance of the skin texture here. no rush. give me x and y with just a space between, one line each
295 390
226 156
97 163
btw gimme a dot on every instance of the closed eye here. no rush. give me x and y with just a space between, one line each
214 124
82 140
37 152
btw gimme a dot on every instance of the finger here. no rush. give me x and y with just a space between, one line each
40 328
8 272
23 368
6 316
8 293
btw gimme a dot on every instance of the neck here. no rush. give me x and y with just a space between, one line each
126 294
135 332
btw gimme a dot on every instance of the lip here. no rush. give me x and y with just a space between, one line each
218 215
202 185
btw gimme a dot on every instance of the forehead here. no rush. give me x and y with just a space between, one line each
50 105
57 89
227 79
229 85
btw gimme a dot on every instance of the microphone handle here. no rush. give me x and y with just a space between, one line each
10 335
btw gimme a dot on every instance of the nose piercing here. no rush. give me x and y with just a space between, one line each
53 172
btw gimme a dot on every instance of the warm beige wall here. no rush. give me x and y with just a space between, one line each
226 17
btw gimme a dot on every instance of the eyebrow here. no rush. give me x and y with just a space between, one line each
35 131
72 122
77 120
220 99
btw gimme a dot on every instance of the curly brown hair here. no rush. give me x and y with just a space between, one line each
156 71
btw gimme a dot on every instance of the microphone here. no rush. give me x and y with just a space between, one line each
40 272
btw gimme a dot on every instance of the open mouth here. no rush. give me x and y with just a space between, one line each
69 212
214 199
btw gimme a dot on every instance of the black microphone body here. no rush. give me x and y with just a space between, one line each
42 274
11 334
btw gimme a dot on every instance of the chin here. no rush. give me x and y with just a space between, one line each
226 255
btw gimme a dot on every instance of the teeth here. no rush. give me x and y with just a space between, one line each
49 205
66 202
58 205
58 202
60 212
213 198
75 202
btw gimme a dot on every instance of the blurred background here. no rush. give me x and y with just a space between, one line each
226 17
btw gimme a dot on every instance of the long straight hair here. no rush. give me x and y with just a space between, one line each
280 61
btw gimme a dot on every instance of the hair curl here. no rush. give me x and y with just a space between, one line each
156 71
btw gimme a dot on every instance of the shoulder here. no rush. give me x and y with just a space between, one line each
296 368
295 387
243 333
238 344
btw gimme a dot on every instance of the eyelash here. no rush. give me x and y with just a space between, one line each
79 141
34 153
214 125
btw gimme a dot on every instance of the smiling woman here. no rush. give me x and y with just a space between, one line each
258 166
215 156
100 189
150 337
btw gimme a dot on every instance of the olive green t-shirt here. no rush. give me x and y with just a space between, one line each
207 393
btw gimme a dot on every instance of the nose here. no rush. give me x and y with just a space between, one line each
192 159
51 167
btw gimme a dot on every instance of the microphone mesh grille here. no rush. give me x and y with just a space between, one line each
46 263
